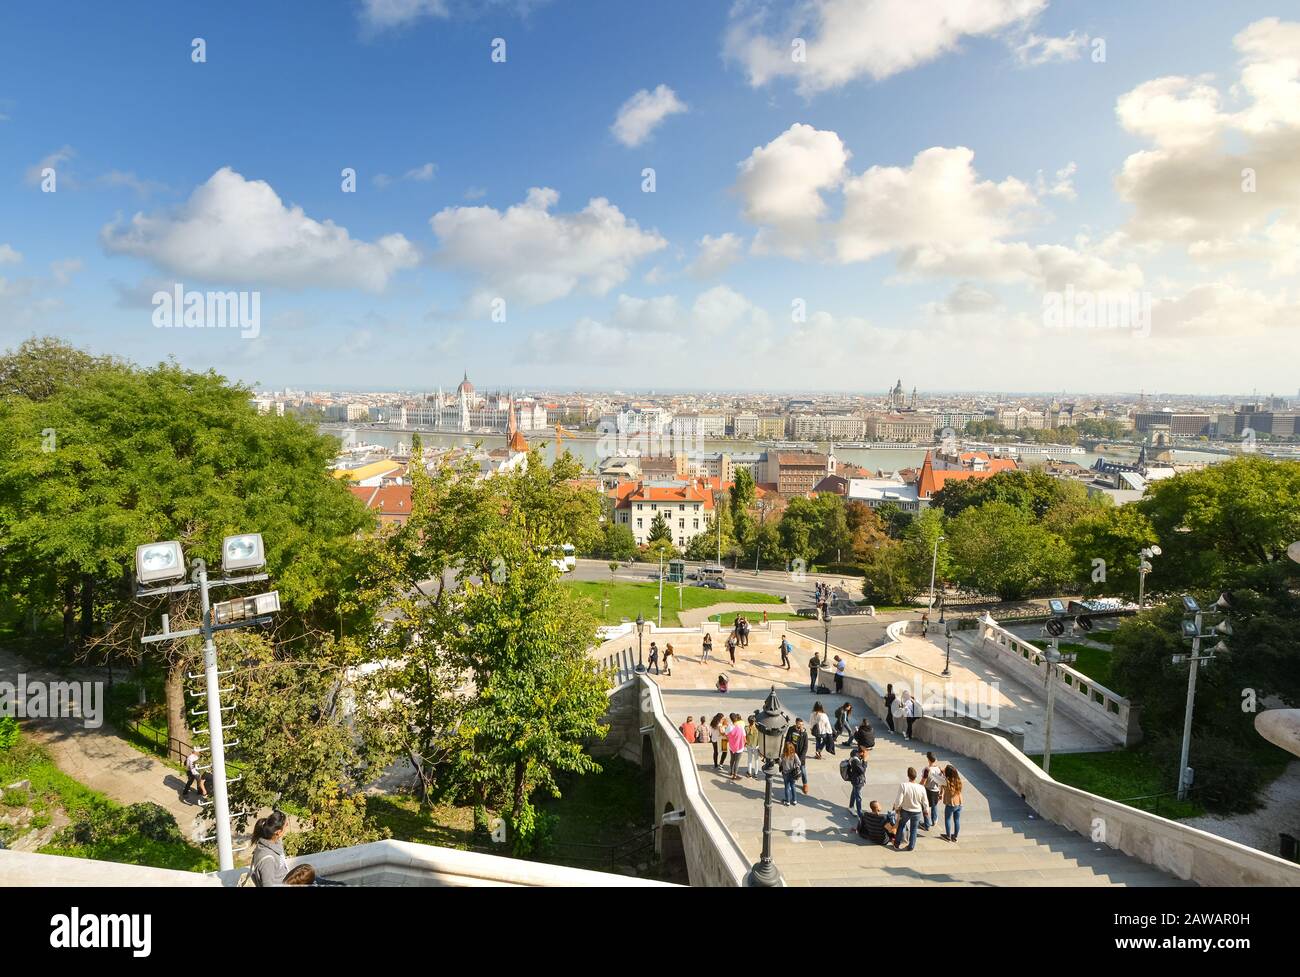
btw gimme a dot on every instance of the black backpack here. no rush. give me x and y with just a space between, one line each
845 773
866 737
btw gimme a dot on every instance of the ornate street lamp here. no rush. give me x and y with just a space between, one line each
826 631
947 657
772 722
640 628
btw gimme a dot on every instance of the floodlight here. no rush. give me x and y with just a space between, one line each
1084 622
1190 605
243 552
159 562
1056 606
1189 629
1055 628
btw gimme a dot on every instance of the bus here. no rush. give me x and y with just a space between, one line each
563 558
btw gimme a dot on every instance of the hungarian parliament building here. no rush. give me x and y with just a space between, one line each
465 410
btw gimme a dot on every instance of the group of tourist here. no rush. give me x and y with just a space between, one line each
730 736
653 661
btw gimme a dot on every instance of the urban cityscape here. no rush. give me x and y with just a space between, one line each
842 443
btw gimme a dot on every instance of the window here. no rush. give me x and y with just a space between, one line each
697 524
638 524
682 507
681 523
638 505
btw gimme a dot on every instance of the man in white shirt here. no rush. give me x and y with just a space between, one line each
193 775
909 804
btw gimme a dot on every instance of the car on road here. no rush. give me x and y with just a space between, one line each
712 584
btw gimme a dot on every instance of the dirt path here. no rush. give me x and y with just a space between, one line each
101 759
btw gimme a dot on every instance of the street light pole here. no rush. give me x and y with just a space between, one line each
661 590
1053 655
947 657
934 561
826 632
216 740
1144 567
1187 717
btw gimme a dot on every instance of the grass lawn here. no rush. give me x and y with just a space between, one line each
627 600
52 789
1120 774
729 619
1092 662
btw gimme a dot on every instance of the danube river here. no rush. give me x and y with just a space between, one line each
884 458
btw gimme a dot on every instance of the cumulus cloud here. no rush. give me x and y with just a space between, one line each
8 256
849 39
1034 49
592 342
238 231
529 253
1221 177
378 15
641 114
716 255
781 185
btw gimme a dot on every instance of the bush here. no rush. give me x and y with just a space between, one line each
8 732
103 824
153 821
1228 775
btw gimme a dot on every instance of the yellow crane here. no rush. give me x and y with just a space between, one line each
560 435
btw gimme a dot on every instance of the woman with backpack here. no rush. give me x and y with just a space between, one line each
854 770
932 779
668 658
951 804
790 769
844 722
708 647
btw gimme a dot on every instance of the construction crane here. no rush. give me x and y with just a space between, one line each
560 435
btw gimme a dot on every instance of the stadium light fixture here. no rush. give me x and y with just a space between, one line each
159 562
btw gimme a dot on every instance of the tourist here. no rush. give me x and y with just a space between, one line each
785 652
865 736
708 647
889 707
193 775
668 659
654 658
925 622
736 741
688 730
932 778
822 731
951 804
731 646
723 683
700 735
798 735
268 865
857 777
752 749
715 737
909 805
877 825
840 666
742 625
910 712
844 722
791 767
814 666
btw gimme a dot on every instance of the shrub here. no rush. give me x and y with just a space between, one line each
153 821
8 732
102 824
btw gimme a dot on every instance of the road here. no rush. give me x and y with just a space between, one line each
778 582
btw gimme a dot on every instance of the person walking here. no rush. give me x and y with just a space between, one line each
736 742
708 647
840 667
932 779
744 631
668 658
785 652
268 865
844 722
822 731
857 778
193 775
951 804
814 667
731 646
654 659
798 735
791 767
889 708
910 712
909 804
752 750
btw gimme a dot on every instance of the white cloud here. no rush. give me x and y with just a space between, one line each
1223 184
643 112
238 231
850 39
8 256
594 343
529 253
55 161
722 310
423 173
1034 49
381 15
716 255
782 183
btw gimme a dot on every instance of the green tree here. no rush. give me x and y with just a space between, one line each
1104 548
998 549
659 530
619 543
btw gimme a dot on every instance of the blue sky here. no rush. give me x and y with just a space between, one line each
905 201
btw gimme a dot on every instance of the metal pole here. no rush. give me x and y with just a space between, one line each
661 589
826 633
1142 581
1187 719
933 562
765 874
220 803
1053 656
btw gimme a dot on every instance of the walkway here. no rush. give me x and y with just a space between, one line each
1002 841
101 759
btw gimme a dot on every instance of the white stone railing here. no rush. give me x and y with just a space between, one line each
1096 706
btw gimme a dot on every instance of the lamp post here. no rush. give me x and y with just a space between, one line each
1193 622
947 657
640 628
826 631
772 723
1144 567
934 561
661 590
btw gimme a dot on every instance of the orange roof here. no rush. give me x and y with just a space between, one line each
686 492
931 480
387 500
518 443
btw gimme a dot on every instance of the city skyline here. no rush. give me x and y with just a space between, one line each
443 184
